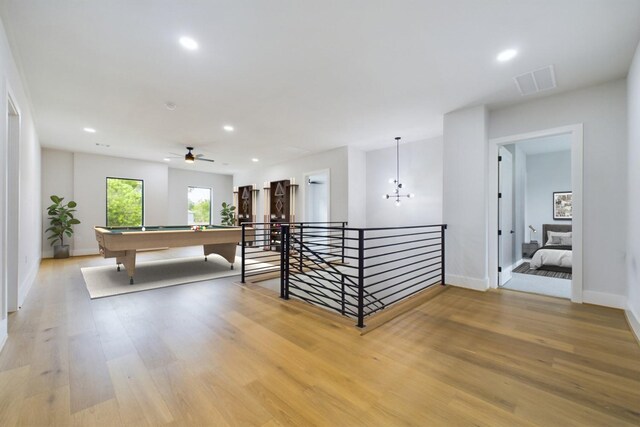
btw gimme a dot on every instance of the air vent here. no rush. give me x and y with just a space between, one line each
536 80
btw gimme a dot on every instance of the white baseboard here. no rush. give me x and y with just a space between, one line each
72 252
82 252
3 332
605 299
27 283
634 322
467 282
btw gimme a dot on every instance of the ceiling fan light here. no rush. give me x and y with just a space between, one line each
189 157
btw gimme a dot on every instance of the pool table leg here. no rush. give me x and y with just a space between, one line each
226 250
129 262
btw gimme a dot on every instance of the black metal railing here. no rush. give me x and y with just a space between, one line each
261 245
360 271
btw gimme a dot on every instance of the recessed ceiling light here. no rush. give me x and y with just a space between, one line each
507 55
90 130
166 159
225 164
255 160
170 106
103 145
228 128
188 43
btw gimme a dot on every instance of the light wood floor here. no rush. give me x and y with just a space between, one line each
214 353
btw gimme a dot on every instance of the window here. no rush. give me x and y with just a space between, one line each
199 206
125 202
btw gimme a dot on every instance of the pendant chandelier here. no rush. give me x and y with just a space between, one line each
396 192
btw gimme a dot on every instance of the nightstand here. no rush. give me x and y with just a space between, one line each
529 248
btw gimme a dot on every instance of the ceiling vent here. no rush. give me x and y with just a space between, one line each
536 81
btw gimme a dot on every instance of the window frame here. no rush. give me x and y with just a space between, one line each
210 203
106 199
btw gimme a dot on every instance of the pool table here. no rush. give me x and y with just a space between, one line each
122 243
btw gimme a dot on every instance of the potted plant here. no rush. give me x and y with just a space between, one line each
228 214
62 221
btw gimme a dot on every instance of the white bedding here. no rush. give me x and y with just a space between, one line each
557 258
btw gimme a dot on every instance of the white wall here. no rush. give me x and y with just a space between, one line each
421 169
358 213
633 194
336 160
465 197
82 177
546 173
57 179
27 246
181 179
89 191
603 111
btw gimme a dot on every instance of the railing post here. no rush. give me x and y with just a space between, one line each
360 278
444 227
344 224
301 248
284 261
242 253
342 295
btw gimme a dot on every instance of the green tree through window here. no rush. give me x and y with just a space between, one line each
199 206
124 202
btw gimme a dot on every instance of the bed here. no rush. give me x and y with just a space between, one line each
556 252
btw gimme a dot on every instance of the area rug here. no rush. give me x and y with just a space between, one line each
105 281
524 269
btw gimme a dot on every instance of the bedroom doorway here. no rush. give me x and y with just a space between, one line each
530 172
538 213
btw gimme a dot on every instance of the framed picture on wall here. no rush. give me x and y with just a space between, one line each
562 205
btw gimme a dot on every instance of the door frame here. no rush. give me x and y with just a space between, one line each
577 148
506 270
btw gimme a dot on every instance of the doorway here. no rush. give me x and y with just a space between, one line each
505 216
11 203
316 196
512 236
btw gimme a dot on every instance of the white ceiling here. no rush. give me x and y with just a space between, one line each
292 76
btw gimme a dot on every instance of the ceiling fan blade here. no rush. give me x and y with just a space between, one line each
204 160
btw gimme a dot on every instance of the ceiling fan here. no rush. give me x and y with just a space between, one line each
191 158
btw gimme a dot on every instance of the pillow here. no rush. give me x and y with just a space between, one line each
558 241
566 241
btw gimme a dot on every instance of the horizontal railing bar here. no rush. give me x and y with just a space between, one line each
390 303
325 253
401 274
261 270
413 292
402 251
390 236
333 281
402 259
377 291
321 295
401 243
369 276
353 314
427 280
315 284
403 227
274 256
